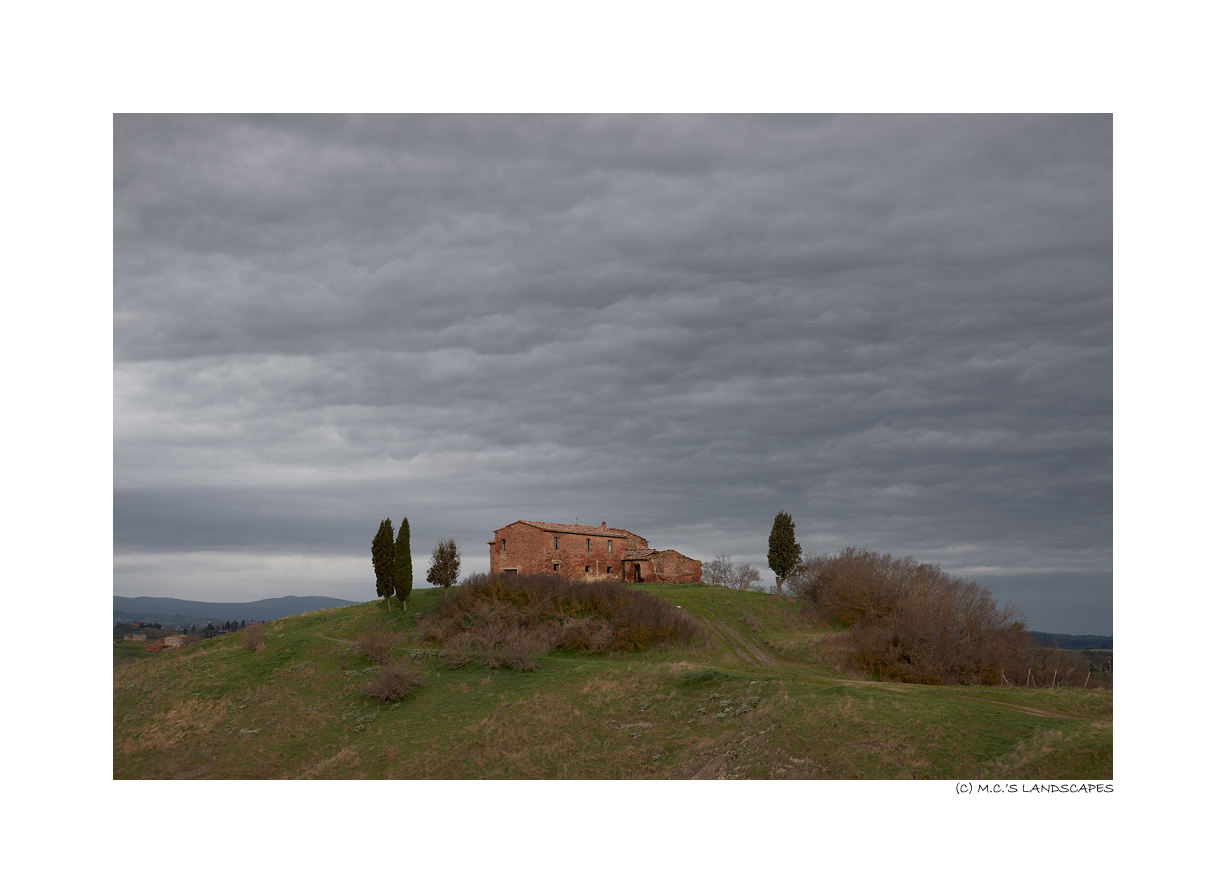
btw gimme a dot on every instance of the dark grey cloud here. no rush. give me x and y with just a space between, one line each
899 328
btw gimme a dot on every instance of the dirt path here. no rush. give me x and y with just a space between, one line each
1027 709
742 647
751 654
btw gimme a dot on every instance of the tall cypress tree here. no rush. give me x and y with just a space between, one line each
783 551
403 573
383 557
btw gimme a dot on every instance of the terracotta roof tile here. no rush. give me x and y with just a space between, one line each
577 529
639 553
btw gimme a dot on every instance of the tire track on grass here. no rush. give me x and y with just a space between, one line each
741 647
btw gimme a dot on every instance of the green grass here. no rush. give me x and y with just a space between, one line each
750 703
126 652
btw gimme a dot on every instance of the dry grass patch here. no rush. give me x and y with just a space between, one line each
502 745
335 766
1031 749
191 718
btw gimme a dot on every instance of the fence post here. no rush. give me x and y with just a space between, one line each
1088 680
1054 679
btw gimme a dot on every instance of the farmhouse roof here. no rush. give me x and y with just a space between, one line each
575 529
639 553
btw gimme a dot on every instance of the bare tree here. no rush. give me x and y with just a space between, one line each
744 577
721 572
718 571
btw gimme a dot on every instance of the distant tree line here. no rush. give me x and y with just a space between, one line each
210 629
1072 640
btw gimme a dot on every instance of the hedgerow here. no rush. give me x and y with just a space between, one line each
912 622
511 621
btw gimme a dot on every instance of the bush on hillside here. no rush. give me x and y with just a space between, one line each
392 684
253 638
376 644
510 621
912 622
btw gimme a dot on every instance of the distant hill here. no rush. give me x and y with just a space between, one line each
178 612
1071 640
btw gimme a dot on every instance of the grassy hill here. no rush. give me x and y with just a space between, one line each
752 702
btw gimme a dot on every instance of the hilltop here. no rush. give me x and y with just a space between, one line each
756 699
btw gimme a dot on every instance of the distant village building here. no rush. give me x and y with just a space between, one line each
176 641
135 637
586 552
155 646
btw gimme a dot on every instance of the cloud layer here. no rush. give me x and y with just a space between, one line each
898 328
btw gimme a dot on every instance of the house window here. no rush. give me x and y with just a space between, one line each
588 544
555 543
504 546
609 569
555 566
587 569
610 546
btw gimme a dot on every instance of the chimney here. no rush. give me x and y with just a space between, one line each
602 524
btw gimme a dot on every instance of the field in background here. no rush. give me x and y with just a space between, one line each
758 699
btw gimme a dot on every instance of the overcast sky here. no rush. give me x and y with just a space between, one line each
897 328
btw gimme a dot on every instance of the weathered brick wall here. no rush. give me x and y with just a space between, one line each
530 550
671 567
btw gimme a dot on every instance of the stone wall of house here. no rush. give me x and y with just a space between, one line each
595 553
666 567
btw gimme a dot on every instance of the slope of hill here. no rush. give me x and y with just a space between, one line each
178 612
753 701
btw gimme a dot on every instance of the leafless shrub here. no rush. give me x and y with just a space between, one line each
253 638
512 622
718 571
392 683
721 572
744 577
911 621
376 644
457 654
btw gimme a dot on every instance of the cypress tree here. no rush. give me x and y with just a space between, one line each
403 573
783 551
383 557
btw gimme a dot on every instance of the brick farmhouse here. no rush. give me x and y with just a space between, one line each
587 552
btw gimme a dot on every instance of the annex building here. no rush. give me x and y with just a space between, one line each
587 552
